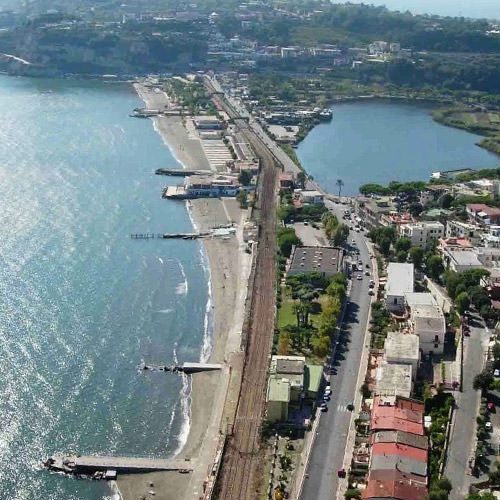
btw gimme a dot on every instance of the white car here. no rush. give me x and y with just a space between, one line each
328 389
359 277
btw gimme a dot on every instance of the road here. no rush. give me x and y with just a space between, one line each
327 455
467 404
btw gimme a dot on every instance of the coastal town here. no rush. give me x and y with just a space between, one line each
384 337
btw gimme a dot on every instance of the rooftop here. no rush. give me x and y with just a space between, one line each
399 279
289 364
402 346
481 207
394 380
325 260
401 437
399 490
420 298
397 413
461 258
313 376
278 389
429 317
402 463
403 450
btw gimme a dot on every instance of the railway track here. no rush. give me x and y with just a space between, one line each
242 460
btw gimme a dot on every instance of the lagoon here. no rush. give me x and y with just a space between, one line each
379 141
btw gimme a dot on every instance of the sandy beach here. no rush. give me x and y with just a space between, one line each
216 392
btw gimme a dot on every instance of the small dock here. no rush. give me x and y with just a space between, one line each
105 467
168 236
181 172
187 368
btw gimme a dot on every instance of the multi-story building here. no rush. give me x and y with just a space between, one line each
483 214
400 281
428 322
421 234
459 229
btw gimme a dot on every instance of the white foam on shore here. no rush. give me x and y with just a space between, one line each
185 394
206 348
115 492
182 287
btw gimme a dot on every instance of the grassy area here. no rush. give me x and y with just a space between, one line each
473 120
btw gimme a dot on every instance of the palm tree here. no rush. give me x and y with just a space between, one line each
340 185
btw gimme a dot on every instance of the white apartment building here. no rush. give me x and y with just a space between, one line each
422 233
428 321
400 281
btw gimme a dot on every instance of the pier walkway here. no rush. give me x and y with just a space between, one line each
187 368
125 465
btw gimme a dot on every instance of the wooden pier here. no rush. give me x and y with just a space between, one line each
109 467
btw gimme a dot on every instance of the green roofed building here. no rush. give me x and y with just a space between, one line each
290 381
278 397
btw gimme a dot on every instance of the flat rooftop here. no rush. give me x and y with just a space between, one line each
402 346
394 380
324 260
399 279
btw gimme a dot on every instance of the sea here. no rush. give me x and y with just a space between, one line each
381 141
488 9
81 303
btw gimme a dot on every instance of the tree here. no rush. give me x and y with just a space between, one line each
340 185
416 209
462 302
434 266
402 243
287 238
385 246
483 380
340 235
417 256
445 201
443 484
481 496
245 178
301 179
402 256
321 345
496 351
242 197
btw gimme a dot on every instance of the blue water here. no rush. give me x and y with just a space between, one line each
80 302
383 141
489 9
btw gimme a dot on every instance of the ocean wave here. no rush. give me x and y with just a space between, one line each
185 393
206 348
182 287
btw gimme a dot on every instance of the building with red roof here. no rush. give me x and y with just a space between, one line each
403 450
398 414
399 490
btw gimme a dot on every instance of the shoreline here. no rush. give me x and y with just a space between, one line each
227 268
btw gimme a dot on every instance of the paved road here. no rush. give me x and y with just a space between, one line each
328 452
464 427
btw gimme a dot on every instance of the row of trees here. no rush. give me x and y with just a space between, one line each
336 232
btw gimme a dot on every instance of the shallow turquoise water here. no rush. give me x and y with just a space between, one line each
80 302
385 141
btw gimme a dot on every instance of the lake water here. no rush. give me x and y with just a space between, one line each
80 302
489 9
384 141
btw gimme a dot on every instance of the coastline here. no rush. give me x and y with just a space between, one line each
227 270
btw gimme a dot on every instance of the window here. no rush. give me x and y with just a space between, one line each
436 339
395 300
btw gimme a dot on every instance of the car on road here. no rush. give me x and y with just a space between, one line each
328 389
488 426
491 406
371 292
353 242
367 273
359 277
323 408
496 373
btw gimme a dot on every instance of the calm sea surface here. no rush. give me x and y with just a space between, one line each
489 9
80 302
383 141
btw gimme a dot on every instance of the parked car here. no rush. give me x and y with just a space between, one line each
328 389
359 277
367 273
496 373
371 292
488 425
324 409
